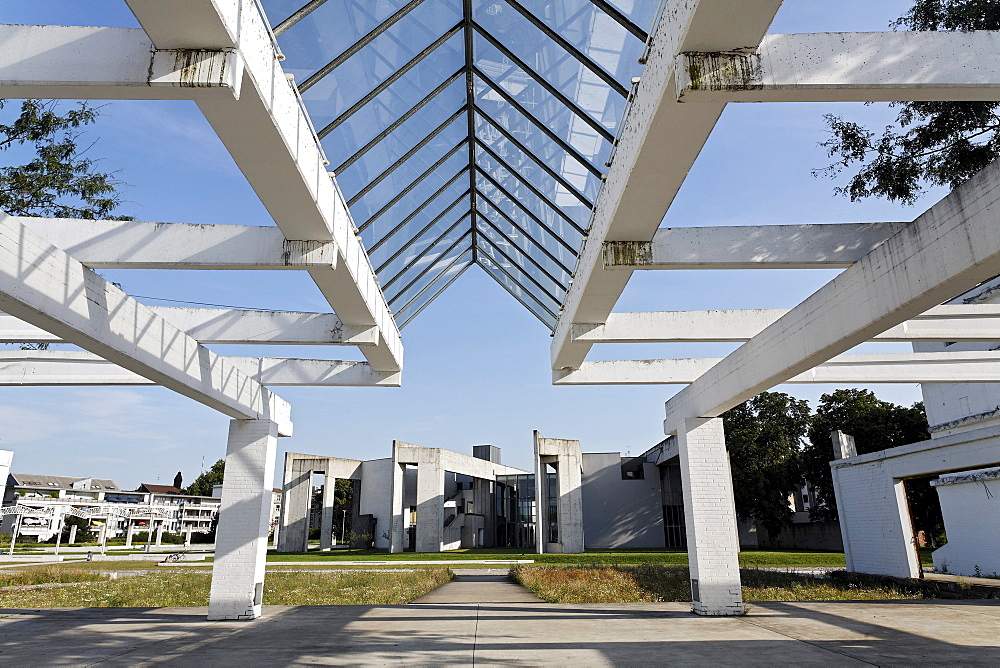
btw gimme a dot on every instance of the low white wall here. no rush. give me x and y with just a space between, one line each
970 504
874 520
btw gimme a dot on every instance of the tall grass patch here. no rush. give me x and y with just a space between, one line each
658 584
186 588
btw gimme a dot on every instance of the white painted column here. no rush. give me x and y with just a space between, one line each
129 530
710 517
244 518
159 534
326 516
72 534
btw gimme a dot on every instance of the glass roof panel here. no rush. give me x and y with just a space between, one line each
494 226
434 288
448 227
510 278
438 257
447 158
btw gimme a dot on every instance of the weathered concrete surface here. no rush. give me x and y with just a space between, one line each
908 633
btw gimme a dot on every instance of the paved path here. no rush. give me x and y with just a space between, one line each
827 634
479 586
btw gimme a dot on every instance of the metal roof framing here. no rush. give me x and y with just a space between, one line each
412 263
499 138
357 46
406 191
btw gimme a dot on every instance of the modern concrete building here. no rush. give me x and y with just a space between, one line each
542 142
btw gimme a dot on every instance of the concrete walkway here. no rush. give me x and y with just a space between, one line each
832 633
472 586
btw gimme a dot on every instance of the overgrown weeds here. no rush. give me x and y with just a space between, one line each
655 584
186 588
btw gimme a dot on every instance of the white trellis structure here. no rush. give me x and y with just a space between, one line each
701 55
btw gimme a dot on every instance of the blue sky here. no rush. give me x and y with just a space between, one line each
477 363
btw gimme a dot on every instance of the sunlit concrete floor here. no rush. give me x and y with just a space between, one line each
880 633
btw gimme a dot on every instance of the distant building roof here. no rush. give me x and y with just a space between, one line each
160 489
60 482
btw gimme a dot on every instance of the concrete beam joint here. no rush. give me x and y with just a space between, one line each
719 71
628 253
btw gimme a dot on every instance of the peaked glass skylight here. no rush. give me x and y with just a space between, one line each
467 131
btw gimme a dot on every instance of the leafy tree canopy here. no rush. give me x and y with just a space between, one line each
874 424
936 143
202 485
58 180
763 436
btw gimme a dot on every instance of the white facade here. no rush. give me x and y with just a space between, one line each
104 504
970 504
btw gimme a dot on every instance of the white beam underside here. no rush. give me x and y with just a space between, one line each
835 246
941 323
42 285
849 67
950 248
115 244
224 326
641 183
962 367
60 367
264 129
70 62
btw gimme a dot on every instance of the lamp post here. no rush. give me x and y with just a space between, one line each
343 527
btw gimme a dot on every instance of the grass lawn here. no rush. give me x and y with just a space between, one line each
590 557
653 584
190 588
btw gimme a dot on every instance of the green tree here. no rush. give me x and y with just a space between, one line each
874 424
937 143
84 534
764 436
203 484
58 180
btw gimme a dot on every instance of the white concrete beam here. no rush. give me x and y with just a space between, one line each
60 62
71 367
641 184
950 248
42 285
847 67
941 323
226 326
272 141
960 367
117 244
834 246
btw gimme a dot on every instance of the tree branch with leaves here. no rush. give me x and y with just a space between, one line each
931 143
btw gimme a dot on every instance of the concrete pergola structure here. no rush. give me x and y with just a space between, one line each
700 55
221 54
705 54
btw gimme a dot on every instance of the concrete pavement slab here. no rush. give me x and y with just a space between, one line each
511 633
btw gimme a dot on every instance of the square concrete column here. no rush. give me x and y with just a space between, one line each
565 455
129 530
396 531
244 519
72 535
326 517
430 501
296 499
159 534
710 516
